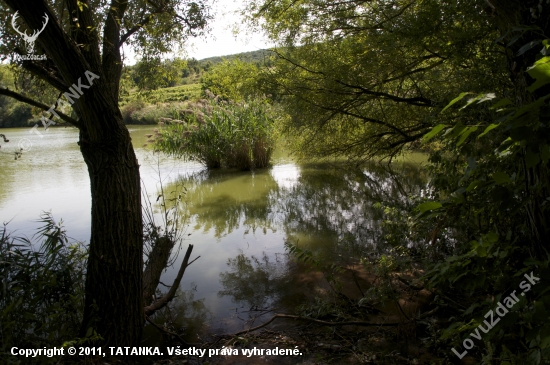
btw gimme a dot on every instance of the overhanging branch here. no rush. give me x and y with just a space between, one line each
27 100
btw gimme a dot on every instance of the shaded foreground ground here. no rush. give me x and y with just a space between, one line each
399 341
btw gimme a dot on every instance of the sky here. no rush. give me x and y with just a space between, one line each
221 40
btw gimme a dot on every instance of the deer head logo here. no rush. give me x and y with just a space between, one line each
29 40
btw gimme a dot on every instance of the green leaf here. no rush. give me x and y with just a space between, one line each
429 206
486 97
501 177
456 131
455 100
473 100
431 134
465 134
488 129
491 237
474 184
481 251
540 71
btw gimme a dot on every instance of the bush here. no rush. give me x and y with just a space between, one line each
129 109
14 114
137 112
222 134
42 296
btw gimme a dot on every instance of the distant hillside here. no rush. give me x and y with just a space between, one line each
259 56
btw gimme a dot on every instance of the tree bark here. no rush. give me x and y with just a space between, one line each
113 303
157 262
113 306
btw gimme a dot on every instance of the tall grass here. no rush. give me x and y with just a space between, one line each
222 134
42 293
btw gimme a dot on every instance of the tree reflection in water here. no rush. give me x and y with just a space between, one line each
184 315
223 201
332 211
254 281
328 210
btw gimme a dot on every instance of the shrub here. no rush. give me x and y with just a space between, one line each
14 114
41 299
222 134
137 112
129 109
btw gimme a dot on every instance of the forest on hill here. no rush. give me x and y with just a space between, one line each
170 80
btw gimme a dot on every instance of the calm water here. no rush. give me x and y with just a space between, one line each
238 222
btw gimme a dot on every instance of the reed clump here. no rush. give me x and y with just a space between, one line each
221 134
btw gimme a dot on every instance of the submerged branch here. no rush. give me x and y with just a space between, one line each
155 306
318 321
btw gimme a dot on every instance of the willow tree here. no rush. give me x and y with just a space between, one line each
83 41
363 77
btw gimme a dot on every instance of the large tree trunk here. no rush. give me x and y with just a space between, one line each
72 42
114 305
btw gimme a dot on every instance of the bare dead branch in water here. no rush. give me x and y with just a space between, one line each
160 303
318 321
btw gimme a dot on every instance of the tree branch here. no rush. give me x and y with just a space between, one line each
164 330
24 99
416 101
84 30
40 70
155 306
318 321
57 44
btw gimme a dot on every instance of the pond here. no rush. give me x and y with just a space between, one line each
240 223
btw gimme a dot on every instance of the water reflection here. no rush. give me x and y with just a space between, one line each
323 207
185 316
239 221
225 201
257 282
262 285
331 210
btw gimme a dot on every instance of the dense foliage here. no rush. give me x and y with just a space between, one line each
369 78
43 289
234 80
364 78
